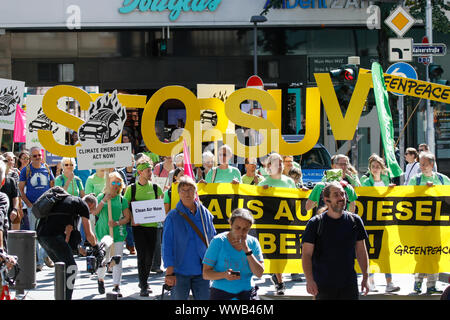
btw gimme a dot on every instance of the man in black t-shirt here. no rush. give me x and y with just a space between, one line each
329 245
51 234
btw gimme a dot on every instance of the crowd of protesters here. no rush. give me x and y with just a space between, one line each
187 243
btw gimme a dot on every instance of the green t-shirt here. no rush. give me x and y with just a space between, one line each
317 191
434 178
248 180
283 182
74 187
118 204
145 192
223 175
95 184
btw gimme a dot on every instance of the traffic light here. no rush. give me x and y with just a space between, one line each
346 73
435 71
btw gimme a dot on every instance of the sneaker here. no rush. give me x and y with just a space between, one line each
101 287
296 277
157 270
48 262
281 288
117 290
274 279
418 287
39 267
432 290
145 292
390 287
372 287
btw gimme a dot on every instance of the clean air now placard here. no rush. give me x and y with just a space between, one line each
148 211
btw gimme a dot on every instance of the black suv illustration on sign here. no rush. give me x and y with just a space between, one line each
106 120
9 99
42 122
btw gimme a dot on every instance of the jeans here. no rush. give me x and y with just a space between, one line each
130 239
199 287
59 251
41 254
144 239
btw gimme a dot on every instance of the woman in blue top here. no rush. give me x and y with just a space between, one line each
232 259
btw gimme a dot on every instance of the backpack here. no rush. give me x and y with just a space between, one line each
28 171
133 191
43 206
419 178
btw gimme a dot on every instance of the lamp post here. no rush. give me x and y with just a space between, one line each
255 20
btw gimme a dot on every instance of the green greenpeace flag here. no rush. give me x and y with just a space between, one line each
385 119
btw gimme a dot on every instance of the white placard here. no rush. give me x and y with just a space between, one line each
37 120
148 211
104 156
11 95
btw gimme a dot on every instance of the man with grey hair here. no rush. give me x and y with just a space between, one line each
427 178
36 178
188 230
4 205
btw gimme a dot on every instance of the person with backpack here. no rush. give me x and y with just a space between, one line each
276 178
331 242
68 180
224 173
378 176
120 215
144 234
250 176
51 233
427 178
35 179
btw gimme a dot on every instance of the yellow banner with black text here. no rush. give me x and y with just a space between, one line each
408 226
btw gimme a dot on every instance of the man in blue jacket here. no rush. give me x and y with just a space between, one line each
184 247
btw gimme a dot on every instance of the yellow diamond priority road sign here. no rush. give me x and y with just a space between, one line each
400 21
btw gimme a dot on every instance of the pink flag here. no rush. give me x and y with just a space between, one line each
19 125
187 162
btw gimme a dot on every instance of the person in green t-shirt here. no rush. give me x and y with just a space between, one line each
427 178
144 234
120 215
378 174
329 176
96 182
349 173
224 173
277 179
68 180
250 176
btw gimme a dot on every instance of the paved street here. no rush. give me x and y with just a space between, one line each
86 286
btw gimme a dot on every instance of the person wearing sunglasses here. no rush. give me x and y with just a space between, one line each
68 180
112 195
36 178
224 173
